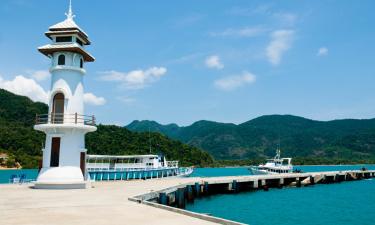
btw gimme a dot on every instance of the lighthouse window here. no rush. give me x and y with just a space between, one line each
81 63
61 60
64 39
79 41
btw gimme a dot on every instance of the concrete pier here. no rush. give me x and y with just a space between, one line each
117 202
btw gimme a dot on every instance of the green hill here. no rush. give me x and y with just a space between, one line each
258 138
23 144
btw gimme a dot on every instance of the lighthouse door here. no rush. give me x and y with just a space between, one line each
58 108
83 163
55 152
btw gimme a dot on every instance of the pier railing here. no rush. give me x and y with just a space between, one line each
172 164
61 118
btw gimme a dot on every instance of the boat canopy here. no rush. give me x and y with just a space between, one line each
120 156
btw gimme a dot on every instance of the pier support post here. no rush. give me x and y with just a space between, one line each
197 189
255 184
281 183
337 178
189 193
205 188
235 187
298 182
163 199
180 198
312 180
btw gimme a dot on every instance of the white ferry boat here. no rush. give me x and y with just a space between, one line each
274 166
127 167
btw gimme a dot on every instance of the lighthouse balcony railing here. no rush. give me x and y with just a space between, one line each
61 118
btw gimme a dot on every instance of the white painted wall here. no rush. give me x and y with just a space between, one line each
68 80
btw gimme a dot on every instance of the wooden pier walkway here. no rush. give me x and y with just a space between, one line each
112 202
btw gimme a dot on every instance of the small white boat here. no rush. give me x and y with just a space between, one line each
274 166
127 167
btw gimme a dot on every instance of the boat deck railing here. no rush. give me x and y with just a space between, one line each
172 164
127 167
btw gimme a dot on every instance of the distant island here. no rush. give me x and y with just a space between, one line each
203 144
21 145
307 141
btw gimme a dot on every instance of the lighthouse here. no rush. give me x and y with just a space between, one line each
65 125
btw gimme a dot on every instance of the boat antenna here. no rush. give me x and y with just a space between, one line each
149 137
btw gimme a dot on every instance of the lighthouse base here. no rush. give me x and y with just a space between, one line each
66 177
81 185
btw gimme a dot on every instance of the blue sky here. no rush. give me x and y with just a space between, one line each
183 61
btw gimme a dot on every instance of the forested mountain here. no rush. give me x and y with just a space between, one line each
258 138
23 144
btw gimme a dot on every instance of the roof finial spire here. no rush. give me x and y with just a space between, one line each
70 15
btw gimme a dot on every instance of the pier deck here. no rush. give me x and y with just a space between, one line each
113 202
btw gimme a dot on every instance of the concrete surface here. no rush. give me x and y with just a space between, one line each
107 203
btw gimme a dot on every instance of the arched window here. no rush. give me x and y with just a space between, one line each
61 60
58 108
81 63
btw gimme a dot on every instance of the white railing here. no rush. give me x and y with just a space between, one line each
116 166
128 166
61 118
172 164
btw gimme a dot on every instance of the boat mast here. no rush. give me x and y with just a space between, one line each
149 138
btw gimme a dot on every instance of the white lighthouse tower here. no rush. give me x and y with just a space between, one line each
65 125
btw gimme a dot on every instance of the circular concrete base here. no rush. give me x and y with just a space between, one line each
60 177
62 185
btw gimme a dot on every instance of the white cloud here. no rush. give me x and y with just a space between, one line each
233 82
21 85
286 19
243 32
264 9
39 75
24 86
91 99
136 79
322 51
214 62
126 99
281 41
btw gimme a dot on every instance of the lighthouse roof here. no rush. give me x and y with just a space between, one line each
71 47
68 26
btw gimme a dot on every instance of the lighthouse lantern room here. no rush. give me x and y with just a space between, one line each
65 125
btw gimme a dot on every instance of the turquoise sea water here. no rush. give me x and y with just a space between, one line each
346 203
238 171
201 172
6 174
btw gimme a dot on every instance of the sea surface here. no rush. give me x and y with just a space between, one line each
346 203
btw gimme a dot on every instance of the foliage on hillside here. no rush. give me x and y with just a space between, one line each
23 144
258 138
17 137
114 140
